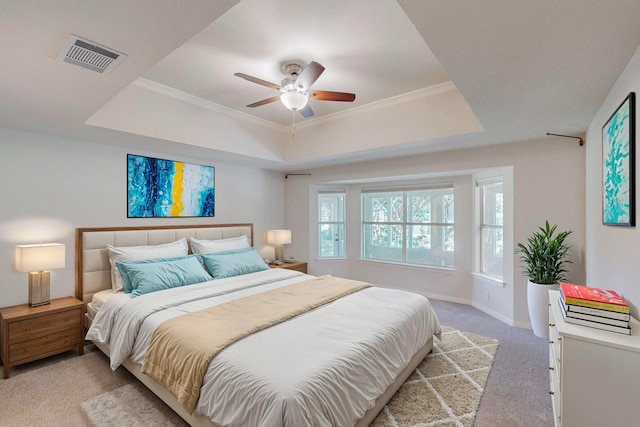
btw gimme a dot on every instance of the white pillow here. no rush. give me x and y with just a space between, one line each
210 246
135 253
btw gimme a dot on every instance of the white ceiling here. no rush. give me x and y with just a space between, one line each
514 70
357 41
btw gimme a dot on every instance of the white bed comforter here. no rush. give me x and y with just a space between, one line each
323 368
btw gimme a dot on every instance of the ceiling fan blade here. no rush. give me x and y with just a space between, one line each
257 80
306 111
264 101
325 95
310 74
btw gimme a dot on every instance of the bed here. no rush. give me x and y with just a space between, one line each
335 364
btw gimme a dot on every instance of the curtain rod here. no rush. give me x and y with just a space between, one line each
286 176
568 136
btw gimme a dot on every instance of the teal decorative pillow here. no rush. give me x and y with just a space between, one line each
233 263
124 267
152 275
136 253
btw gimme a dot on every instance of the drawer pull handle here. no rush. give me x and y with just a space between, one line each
552 324
551 392
551 368
550 341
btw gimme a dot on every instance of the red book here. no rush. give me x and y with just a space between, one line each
593 297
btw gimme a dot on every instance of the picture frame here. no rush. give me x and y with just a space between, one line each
159 188
618 165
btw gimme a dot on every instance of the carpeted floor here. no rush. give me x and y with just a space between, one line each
78 391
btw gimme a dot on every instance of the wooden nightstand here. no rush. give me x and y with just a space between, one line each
32 333
297 266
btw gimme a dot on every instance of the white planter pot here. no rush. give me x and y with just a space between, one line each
538 303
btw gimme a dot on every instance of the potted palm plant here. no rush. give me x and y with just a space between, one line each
543 258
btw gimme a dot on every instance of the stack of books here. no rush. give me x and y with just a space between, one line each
594 307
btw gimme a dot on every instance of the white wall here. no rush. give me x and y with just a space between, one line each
612 252
549 183
49 186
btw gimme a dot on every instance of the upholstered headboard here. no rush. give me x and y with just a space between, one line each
93 271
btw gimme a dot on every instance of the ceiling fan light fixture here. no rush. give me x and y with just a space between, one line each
295 89
294 100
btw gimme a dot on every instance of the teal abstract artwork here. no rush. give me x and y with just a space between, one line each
618 174
158 188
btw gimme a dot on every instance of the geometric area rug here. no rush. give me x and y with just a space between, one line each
444 391
132 405
446 388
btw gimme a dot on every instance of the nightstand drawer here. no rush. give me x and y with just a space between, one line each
295 266
51 343
45 324
301 267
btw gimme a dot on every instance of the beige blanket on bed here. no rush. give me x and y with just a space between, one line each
182 348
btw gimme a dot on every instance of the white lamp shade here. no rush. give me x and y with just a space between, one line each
294 101
279 237
43 257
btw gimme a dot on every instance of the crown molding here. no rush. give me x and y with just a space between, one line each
221 109
209 105
378 105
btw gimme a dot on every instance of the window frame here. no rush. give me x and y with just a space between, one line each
483 225
320 223
405 224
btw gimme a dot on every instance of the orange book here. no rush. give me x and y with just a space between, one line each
584 296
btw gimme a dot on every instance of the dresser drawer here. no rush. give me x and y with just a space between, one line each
556 396
50 343
555 366
554 370
45 324
555 340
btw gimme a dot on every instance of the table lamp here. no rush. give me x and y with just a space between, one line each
279 238
37 260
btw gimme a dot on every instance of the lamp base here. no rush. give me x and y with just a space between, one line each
39 288
279 256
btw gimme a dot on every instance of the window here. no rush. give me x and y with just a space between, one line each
491 210
409 226
331 224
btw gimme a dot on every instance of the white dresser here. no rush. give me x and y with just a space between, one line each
594 374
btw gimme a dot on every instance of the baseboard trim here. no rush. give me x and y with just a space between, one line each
494 314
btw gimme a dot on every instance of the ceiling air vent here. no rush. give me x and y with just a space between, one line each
92 56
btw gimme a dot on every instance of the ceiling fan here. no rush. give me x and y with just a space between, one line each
296 91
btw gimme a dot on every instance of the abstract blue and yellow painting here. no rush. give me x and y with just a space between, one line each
618 171
159 188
